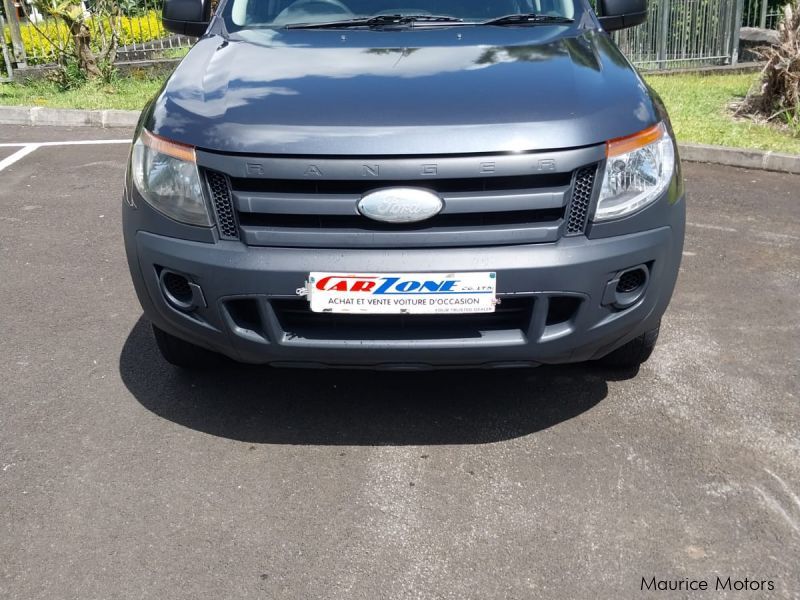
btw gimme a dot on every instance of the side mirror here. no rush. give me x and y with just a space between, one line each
186 17
620 14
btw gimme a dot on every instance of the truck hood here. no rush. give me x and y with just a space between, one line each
435 91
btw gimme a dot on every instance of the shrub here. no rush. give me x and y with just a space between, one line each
141 28
40 49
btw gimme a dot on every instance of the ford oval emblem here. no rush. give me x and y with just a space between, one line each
400 205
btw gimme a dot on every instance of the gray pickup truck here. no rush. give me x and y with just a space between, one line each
404 185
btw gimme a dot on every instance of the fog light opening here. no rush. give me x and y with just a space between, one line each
178 290
630 281
630 286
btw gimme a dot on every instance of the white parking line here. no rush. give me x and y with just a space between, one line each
714 227
68 143
21 153
26 148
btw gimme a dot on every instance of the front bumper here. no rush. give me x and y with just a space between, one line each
575 267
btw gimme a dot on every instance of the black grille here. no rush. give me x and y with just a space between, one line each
297 320
581 198
223 205
516 206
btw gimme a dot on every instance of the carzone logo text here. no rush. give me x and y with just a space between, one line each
391 285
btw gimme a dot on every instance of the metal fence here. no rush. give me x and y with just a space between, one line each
684 33
137 25
6 74
762 13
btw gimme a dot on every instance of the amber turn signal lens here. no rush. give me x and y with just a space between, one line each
168 147
633 142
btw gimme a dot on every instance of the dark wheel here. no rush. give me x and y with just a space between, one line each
632 354
182 353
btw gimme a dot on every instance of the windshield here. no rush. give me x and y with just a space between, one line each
280 13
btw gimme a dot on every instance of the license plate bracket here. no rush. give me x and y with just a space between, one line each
402 293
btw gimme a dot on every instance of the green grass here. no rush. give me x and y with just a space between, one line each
129 93
174 53
698 107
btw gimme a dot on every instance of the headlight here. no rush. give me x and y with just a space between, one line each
638 170
165 174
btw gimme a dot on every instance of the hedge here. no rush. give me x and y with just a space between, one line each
40 50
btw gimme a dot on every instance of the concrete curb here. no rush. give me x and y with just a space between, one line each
719 155
38 115
764 160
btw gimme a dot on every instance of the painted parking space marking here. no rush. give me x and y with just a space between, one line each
66 143
26 148
714 227
19 154
768 236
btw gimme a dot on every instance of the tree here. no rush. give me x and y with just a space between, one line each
778 96
93 38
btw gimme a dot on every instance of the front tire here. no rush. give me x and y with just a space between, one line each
181 353
632 354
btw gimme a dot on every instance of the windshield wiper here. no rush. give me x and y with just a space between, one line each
377 21
526 19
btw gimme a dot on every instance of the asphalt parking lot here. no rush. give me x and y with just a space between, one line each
123 478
